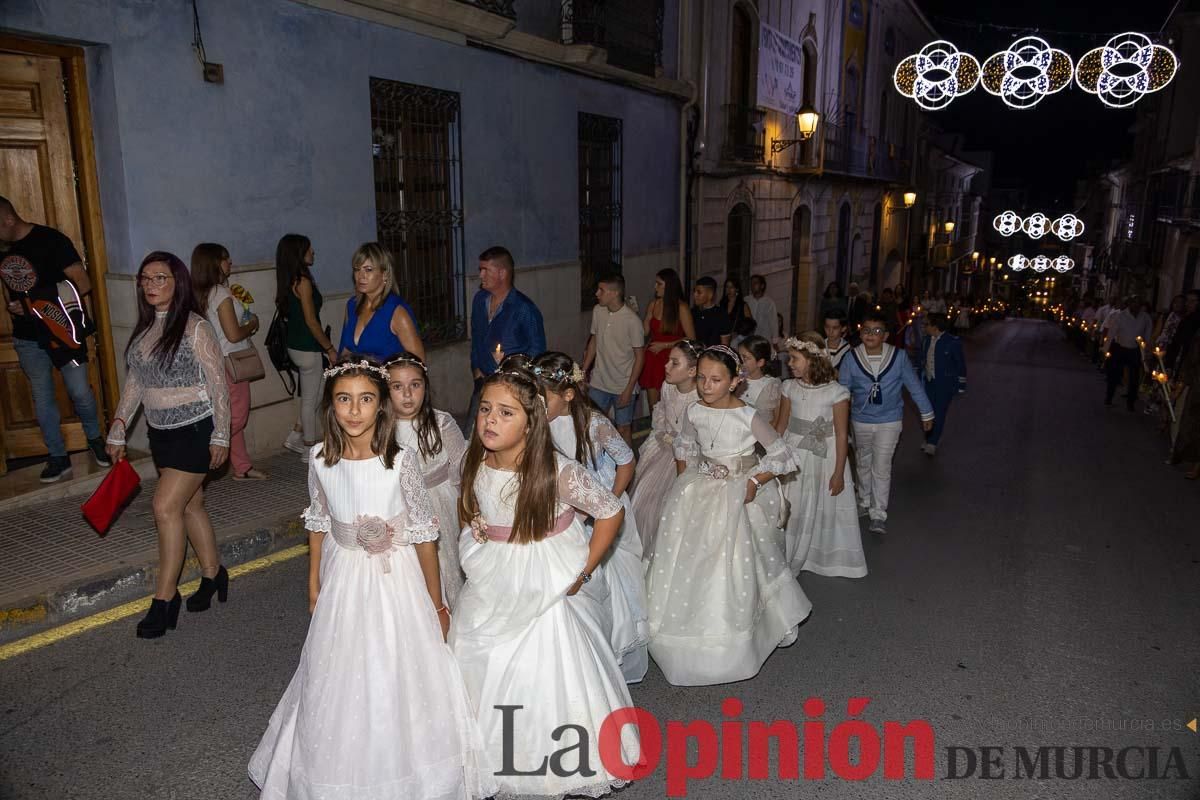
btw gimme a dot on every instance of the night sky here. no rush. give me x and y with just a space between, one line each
1068 135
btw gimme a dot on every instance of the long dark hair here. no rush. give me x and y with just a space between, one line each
183 304
760 349
537 469
289 268
553 370
672 297
429 433
383 439
739 303
206 271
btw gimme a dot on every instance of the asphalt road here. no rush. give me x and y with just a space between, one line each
1037 587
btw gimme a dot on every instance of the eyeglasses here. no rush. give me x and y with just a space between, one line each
875 331
155 280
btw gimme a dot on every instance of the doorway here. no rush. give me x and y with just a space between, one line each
738 232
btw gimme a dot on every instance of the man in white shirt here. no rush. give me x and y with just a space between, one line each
1127 330
617 348
762 308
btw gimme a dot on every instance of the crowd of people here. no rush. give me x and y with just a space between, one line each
1154 356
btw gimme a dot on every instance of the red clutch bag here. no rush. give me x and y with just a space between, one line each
111 496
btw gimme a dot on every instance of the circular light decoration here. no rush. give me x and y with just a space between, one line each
936 75
1039 263
1063 264
1026 72
1127 67
1067 227
1035 225
1017 263
1007 223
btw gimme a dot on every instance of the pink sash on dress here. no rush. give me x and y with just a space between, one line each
501 533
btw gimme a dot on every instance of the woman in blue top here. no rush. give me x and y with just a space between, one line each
378 323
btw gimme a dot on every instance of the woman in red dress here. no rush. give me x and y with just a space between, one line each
668 320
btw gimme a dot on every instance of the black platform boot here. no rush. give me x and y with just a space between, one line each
218 585
162 615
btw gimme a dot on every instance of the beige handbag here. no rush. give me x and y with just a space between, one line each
245 365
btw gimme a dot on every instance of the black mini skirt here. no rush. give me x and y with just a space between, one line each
184 448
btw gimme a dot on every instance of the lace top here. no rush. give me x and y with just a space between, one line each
186 390
445 465
763 393
496 491
610 450
667 417
350 489
730 433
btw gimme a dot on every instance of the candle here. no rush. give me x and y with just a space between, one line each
499 353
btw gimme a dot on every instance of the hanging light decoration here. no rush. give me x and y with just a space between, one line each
1017 263
1035 225
1026 72
1063 264
1007 223
936 75
1125 69
1067 227
1039 263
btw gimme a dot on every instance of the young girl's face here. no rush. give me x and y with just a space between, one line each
407 390
713 381
356 405
678 370
557 403
754 366
501 422
798 364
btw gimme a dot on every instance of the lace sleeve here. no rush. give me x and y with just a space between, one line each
422 524
778 459
605 436
316 516
208 353
454 446
131 398
577 487
768 400
686 446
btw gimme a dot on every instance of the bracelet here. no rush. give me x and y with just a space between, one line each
584 577
757 483
443 608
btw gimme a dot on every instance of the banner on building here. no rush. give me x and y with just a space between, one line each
780 80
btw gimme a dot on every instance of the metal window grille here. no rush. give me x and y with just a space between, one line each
599 201
416 147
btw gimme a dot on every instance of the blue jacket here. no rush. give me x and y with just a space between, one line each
517 328
949 363
877 399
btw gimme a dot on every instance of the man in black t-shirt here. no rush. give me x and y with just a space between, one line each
713 325
44 285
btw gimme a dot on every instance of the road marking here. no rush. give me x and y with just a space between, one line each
124 610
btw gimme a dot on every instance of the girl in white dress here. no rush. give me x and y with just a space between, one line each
581 432
525 634
720 593
377 708
435 436
822 534
656 462
761 389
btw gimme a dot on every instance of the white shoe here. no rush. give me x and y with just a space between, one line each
791 637
295 442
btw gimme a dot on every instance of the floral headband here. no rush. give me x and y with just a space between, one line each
560 375
521 376
400 361
352 365
792 343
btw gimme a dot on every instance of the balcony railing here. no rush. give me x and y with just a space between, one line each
631 31
743 134
502 7
851 152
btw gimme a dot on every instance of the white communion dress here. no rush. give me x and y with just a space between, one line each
377 708
720 594
763 393
822 534
521 641
623 565
656 462
443 474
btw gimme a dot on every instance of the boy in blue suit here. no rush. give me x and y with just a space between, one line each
876 373
944 370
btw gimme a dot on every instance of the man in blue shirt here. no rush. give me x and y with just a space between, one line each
503 320
944 368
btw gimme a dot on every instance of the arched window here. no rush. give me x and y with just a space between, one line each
739 231
741 61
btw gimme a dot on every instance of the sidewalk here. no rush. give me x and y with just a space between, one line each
55 568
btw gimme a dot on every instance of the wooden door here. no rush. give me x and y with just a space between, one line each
37 175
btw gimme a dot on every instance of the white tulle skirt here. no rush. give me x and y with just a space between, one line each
822 534
520 641
627 599
655 474
720 595
445 505
377 708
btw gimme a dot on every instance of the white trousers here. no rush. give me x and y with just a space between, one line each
875 446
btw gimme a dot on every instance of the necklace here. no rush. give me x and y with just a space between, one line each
713 441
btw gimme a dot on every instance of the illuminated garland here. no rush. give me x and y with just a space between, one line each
1035 225
1039 263
1007 223
936 75
1026 72
1063 264
1066 227
1018 263
1128 67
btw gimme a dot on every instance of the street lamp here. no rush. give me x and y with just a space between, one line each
948 226
807 119
910 199
974 255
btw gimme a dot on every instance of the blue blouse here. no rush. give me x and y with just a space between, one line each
377 340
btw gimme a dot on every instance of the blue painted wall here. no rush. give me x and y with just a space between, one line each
284 145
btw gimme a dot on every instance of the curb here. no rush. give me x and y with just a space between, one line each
133 581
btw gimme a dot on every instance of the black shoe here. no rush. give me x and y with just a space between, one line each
162 615
57 468
219 586
98 454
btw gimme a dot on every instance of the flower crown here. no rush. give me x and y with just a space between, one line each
352 365
524 377
792 343
402 360
560 375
